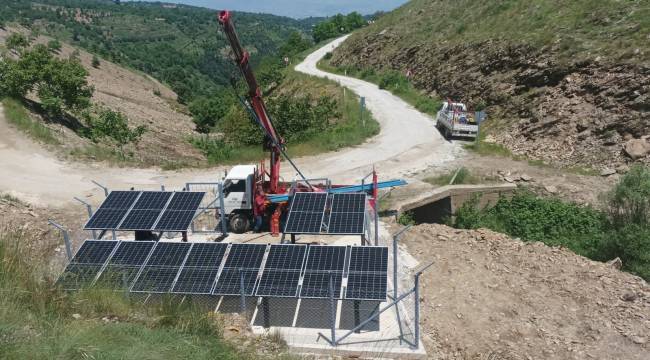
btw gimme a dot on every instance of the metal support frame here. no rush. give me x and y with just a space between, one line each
376 210
66 238
222 211
89 208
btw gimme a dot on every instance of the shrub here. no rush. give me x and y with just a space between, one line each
17 41
406 218
54 46
207 112
95 62
215 150
114 126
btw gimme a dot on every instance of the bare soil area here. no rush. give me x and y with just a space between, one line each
488 296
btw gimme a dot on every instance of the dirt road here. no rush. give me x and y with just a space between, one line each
407 143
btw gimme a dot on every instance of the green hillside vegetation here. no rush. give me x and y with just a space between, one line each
581 28
182 45
40 321
621 229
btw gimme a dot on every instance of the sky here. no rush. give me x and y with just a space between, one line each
298 8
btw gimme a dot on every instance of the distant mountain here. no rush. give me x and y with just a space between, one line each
178 44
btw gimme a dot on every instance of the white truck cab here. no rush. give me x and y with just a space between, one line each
238 191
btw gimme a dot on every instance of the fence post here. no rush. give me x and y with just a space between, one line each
222 211
332 309
66 238
241 292
101 186
90 213
362 102
417 310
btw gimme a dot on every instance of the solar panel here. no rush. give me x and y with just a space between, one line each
321 260
175 220
367 273
348 214
160 270
245 259
152 200
125 264
186 200
112 211
86 264
306 213
140 220
282 271
200 269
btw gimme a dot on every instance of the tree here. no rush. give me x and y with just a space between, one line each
64 85
16 41
295 44
115 126
54 46
207 112
95 62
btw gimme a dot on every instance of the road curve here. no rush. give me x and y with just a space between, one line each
408 141
406 144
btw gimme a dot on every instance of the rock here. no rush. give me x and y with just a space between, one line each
76 316
622 169
629 296
637 148
509 179
551 189
526 177
616 263
607 172
639 340
490 139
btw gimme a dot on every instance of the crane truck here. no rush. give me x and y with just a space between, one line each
241 183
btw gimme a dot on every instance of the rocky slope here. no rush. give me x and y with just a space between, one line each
569 85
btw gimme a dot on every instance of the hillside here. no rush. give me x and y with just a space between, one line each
566 83
175 44
134 95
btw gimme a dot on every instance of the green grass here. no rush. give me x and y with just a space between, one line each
17 115
394 82
36 319
484 148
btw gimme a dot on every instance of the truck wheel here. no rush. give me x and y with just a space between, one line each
447 134
239 223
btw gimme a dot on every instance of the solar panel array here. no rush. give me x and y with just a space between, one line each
305 271
310 214
146 210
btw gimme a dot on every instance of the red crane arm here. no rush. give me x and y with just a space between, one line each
255 95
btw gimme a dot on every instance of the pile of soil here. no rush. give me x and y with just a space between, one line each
488 296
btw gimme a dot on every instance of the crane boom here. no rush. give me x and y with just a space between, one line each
273 142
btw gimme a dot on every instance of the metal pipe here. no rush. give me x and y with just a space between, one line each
376 222
101 186
66 238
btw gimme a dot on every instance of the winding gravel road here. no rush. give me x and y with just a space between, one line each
407 143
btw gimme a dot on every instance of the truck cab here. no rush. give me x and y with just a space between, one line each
238 192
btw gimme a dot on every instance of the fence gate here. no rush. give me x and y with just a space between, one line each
206 221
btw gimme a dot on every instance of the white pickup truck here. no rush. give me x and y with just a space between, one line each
453 120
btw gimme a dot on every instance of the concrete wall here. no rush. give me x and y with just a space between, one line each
441 203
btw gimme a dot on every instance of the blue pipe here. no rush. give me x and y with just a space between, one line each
345 189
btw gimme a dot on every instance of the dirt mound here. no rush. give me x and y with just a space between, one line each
144 100
490 297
